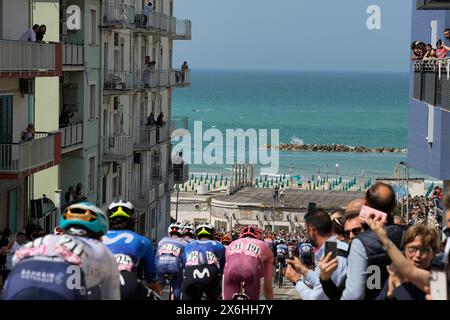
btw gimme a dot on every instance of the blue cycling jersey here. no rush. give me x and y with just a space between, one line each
169 254
130 249
204 252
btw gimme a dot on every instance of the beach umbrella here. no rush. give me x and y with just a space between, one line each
297 177
284 176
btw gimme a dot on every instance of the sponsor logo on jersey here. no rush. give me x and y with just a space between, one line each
169 249
197 274
128 237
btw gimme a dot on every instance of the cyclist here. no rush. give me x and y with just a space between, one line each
169 258
188 232
204 260
130 250
248 260
307 254
282 251
67 266
226 239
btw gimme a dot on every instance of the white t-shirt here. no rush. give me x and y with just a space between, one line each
177 160
29 36
92 256
10 254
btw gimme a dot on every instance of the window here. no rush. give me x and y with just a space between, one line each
114 185
93 26
92 100
91 177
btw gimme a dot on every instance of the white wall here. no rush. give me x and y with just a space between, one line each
15 18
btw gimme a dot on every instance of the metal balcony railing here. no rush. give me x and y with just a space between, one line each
72 135
181 173
118 146
183 30
31 156
147 138
432 82
433 4
179 77
29 59
119 80
118 14
72 55
162 133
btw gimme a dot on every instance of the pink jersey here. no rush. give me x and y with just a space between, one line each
254 248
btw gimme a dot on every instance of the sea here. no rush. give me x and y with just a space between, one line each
351 108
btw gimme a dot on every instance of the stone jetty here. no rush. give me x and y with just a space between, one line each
333 148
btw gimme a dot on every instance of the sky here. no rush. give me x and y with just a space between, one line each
294 35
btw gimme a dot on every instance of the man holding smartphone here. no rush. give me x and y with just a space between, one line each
319 232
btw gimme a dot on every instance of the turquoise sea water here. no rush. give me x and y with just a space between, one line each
367 109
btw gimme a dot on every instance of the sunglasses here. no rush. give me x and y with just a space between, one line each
355 231
423 251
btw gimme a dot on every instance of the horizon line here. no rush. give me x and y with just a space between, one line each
299 70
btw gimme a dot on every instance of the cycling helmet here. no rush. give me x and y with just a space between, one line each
204 229
121 208
251 231
175 229
226 239
85 215
188 230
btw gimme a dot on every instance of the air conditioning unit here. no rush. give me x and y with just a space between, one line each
26 86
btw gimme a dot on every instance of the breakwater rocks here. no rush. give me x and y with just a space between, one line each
332 148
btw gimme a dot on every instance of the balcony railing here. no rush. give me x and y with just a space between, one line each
21 159
119 80
179 77
183 30
162 133
117 147
72 55
29 59
181 173
432 82
147 138
433 4
72 135
118 14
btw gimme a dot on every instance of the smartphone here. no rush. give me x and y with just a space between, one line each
438 285
331 246
368 211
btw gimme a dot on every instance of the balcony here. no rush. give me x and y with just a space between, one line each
162 133
147 196
155 23
73 57
183 30
147 138
433 4
117 148
180 78
119 80
23 159
118 15
181 173
432 82
29 59
71 137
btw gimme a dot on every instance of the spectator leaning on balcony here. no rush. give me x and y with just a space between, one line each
160 121
41 33
64 118
419 50
148 8
30 34
184 69
441 51
27 134
151 119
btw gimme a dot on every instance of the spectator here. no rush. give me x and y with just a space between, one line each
64 118
419 49
20 241
28 134
421 245
429 52
146 11
151 119
70 195
79 191
352 226
30 34
337 218
184 70
41 33
178 159
275 193
441 51
366 249
160 120
436 197
5 245
447 36
319 230
282 192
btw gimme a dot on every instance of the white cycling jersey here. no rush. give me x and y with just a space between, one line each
92 256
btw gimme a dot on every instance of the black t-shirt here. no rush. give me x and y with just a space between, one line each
3 243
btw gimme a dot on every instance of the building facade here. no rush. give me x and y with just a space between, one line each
429 112
115 68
